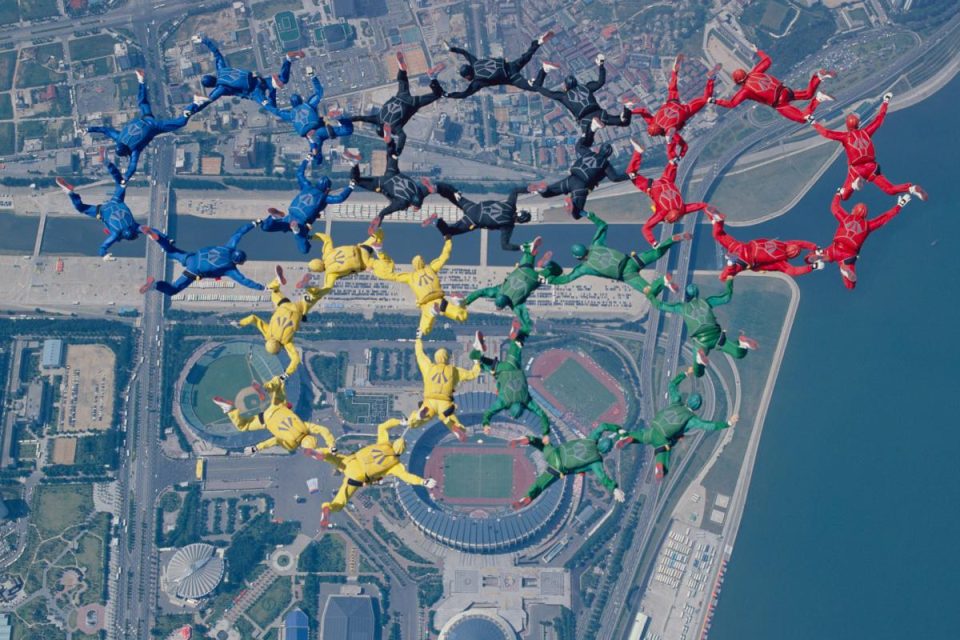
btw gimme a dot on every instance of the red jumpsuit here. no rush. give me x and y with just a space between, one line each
673 114
759 255
861 156
765 89
850 236
666 201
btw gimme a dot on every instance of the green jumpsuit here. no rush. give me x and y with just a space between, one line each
575 456
513 393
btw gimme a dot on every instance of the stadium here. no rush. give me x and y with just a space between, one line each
578 389
470 509
227 369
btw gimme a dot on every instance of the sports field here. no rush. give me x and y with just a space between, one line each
468 475
287 28
229 377
580 391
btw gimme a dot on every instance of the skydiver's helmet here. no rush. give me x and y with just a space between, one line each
853 121
272 347
208 80
579 251
466 71
296 100
417 263
324 184
130 233
859 210
570 82
238 256
793 250
502 302
551 269
654 129
316 265
523 216
739 76
672 215
694 401
604 446
399 446
691 292
309 442
606 150
441 356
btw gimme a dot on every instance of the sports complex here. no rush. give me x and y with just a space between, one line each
574 385
470 509
227 369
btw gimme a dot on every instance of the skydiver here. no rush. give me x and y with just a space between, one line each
763 88
401 190
369 465
580 100
308 123
208 262
230 81
851 234
285 321
589 169
491 72
761 254
701 323
513 391
287 429
672 115
305 208
140 132
440 381
861 155
670 424
487 214
574 456
338 262
118 222
666 202
398 110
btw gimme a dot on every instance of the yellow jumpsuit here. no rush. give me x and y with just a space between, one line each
370 464
285 321
440 380
288 430
424 281
338 262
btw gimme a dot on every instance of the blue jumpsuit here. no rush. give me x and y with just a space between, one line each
308 122
306 207
137 134
114 214
241 82
208 262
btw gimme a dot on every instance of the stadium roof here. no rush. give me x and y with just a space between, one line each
195 570
476 626
348 618
458 530
296 626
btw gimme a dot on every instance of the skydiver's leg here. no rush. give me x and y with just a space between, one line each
452 311
790 269
85 209
403 84
347 489
887 187
514 354
427 319
495 408
790 112
578 200
632 277
540 485
272 224
143 102
848 271
535 409
345 128
463 225
526 325
110 132
395 205
419 102
731 347
516 65
621 119
449 192
276 296
303 241
373 118
672 92
489 293
172 251
244 423
284 74
400 139
172 124
539 80
810 91
369 183
423 414
178 285
400 471
557 188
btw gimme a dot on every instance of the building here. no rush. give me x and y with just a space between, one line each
193 572
348 618
477 624
52 356
6 631
296 626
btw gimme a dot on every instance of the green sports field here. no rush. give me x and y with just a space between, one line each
287 28
579 391
467 475
226 377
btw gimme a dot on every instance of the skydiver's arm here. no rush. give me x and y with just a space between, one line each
673 389
471 89
465 375
723 298
383 431
764 63
505 234
837 209
256 321
883 218
472 59
805 244
337 198
239 233
441 260
601 474
235 275
294 358
600 236
829 134
317 91
553 95
565 278
648 228
735 100
284 114
666 307
423 361
871 128
302 181
643 113
706 425
217 56
132 165
605 427
109 242
323 432
615 176
268 443
326 240
597 84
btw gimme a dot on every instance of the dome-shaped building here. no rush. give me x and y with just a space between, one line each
193 572
477 625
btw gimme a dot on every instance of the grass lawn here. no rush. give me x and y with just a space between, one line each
8 63
36 9
579 391
99 67
9 12
272 603
225 377
364 409
34 73
243 59
477 476
263 10
90 557
91 47
61 506
6 107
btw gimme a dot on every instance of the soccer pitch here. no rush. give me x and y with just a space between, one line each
578 390
467 475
